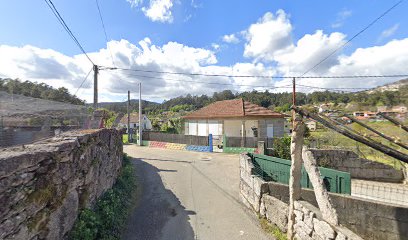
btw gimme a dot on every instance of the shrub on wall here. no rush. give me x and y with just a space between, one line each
108 218
281 147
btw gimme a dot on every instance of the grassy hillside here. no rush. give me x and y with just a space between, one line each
330 139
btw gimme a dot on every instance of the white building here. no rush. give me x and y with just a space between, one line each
134 121
235 118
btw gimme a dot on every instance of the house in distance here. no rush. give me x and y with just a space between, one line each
235 118
134 121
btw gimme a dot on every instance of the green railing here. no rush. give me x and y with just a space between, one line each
278 170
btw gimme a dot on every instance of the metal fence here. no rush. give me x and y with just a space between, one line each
175 138
278 170
379 191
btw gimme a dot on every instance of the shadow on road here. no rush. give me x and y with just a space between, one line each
156 208
166 160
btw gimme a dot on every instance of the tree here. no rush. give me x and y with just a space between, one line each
38 90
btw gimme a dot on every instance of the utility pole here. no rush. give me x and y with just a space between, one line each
140 114
128 119
293 102
96 70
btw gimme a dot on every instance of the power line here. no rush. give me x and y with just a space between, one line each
251 76
66 28
104 31
339 88
351 39
186 73
209 83
87 75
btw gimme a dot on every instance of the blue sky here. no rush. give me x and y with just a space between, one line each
199 27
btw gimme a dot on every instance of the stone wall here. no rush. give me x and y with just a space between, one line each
359 168
309 224
44 185
359 218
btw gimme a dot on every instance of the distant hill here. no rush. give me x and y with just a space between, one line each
121 107
38 90
388 95
395 86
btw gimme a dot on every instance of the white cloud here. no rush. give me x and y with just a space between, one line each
308 51
159 11
268 45
215 46
156 10
196 4
36 63
134 3
270 40
59 70
270 54
388 59
230 38
341 18
388 32
271 34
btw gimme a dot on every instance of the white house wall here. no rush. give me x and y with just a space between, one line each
214 127
232 128
147 124
192 128
202 128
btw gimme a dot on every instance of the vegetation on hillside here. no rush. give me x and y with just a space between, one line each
282 101
38 90
324 138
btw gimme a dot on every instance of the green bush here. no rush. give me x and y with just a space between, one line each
86 226
281 147
108 218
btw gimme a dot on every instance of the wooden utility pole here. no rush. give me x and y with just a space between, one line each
96 70
128 119
140 114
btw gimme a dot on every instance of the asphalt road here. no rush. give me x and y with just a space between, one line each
188 195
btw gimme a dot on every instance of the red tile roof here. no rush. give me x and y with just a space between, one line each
232 109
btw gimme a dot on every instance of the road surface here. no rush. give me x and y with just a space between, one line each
188 195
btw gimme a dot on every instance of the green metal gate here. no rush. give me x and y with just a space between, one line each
278 170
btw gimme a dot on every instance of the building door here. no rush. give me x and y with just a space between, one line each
269 130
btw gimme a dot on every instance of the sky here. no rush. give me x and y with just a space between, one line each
270 38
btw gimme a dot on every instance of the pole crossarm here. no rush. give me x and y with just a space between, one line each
376 132
394 121
377 146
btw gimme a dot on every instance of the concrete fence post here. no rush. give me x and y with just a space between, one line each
322 197
296 145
